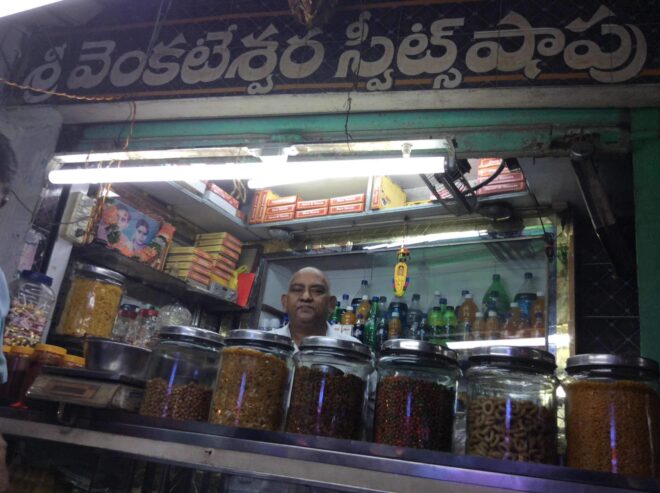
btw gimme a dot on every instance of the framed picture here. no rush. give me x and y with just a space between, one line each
134 233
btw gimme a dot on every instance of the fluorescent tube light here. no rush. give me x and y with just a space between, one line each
415 240
559 340
9 7
282 173
301 172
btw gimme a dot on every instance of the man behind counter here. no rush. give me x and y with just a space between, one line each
308 303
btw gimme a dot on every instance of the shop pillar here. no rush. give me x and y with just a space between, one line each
646 164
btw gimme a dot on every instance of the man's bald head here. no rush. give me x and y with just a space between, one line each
313 271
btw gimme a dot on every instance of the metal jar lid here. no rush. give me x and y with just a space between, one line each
534 359
341 345
183 332
582 362
99 271
418 348
243 336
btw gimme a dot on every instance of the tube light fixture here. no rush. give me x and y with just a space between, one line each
558 340
9 8
416 240
290 172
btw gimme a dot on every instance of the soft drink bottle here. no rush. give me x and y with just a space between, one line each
414 317
335 317
492 327
381 332
348 317
526 296
466 315
358 328
538 314
496 299
450 323
478 328
423 330
345 298
513 322
359 296
371 326
394 329
364 307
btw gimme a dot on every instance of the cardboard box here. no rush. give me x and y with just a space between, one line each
346 209
258 211
386 194
222 274
223 235
289 199
188 251
211 245
186 263
307 213
225 262
347 199
213 188
508 178
223 267
214 251
220 202
280 208
279 216
193 269
311 204
500 188
203 280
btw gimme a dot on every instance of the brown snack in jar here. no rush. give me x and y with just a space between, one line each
250 390
613 426
26 322
511 429
414 413
325 404
91 308
187 402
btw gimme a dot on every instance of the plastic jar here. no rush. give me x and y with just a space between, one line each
145 328
329 387
19 359
512 408
32 304
43 355
71 361
613 414
253 380
416 395
124 327
181 373
92 302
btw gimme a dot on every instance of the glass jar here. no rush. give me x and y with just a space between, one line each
44 355
181 374
613 414
18 365
416 395
145 328
329 388
92 302
253 380
124 327
32 304
512 408
174 314
71 361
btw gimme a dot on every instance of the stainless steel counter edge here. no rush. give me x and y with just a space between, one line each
345 465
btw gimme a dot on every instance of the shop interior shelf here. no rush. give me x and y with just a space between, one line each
199 211
155 279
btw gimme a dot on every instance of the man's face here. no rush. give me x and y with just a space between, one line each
308 301
123 218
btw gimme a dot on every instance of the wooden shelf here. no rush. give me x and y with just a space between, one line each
155 279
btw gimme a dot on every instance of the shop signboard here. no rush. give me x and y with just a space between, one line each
375 46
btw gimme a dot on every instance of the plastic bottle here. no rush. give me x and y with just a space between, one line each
466 315
381 332
348 317
345 298
358 328
526 296
538 329
435 321
538 314
492 326
496 298
423 330
414 317
335 317
450 323
478 328
513 323
364 307
382 306
359 296
371 326
394 329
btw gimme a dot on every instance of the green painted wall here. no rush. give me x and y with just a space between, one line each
645 134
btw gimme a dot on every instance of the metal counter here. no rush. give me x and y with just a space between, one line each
316 461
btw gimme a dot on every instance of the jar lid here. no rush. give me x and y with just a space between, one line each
180 332
49 348
250 335
22 350
76 360
603 361
420 348
99 271
523 356
343 345
29 275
